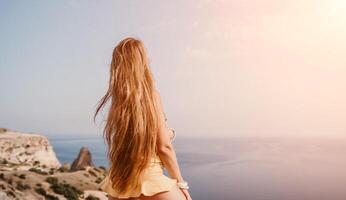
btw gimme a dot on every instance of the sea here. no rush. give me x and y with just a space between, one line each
246 168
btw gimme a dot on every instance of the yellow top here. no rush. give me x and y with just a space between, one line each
154 181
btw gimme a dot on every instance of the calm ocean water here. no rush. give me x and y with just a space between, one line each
247 168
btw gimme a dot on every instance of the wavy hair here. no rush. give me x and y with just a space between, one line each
131 124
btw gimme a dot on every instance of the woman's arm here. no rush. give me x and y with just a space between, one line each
165 148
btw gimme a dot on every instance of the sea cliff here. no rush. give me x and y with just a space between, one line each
30 170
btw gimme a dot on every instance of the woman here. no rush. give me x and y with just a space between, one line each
138 140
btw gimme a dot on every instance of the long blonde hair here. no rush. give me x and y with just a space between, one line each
131 124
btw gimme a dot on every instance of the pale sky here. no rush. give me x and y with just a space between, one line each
224 68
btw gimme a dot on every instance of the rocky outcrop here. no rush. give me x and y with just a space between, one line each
83 160
27 149
29 170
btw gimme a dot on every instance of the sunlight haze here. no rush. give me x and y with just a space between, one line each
223 68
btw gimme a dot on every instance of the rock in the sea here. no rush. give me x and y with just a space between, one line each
83 160
26 148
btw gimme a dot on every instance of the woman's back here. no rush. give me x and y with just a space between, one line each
136 130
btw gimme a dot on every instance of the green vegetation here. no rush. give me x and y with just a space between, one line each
20 186
91 197
22 176
96 169
98 180
63 169
38 171
36 162
92 173
68 191
51 171
51 197
2 177
42 192
10 193
4 161
52 180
